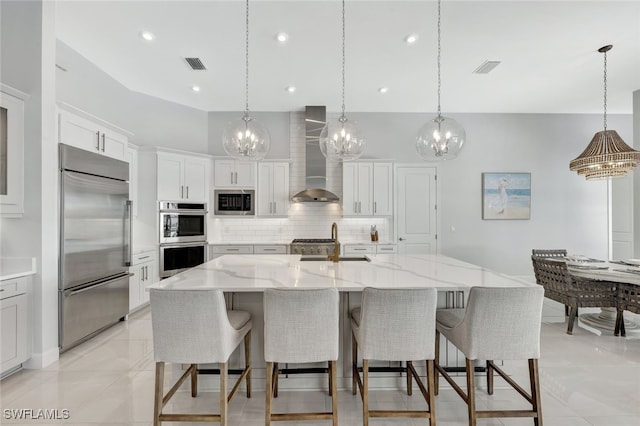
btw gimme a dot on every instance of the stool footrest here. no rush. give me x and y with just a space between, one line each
399 414
506 413
301 416
189 417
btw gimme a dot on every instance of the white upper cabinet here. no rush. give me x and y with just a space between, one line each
91 135
367 189
273 189
382 189
182 177
231 173
11 151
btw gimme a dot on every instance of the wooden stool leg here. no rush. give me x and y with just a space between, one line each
431 394
334 392
437 361
269 393
276 371
330 379
158 394
471 392
194 380
223 393
365 392
489 378
409 380
354 364
247 361
534 377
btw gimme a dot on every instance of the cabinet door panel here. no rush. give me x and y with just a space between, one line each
280 189
223 172
349 188
113 144
383 189
245 174
79 132
265 189
196 173
169 178
365 189
14 331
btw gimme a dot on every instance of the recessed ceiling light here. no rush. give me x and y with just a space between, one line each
291 89
195 88
147 35
411 38
282 37
383 89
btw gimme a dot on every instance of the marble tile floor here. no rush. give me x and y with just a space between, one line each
586 380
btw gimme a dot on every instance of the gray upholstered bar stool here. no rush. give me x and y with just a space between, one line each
395 325
498 324
301 326
194 327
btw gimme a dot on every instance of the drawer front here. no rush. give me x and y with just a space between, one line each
277 249
146 256
359 249
386 248
231 249
13 287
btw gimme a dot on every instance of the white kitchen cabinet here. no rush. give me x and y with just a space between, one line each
369 248
131 156
367 189
386 248
357 189
91 135
183 177
231 173
11 151
145 272
270 249
382 189
273 189
216 250
15 323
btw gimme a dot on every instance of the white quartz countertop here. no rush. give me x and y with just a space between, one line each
246 273
16 267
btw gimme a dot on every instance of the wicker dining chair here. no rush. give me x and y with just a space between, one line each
574 292
546 253
628 300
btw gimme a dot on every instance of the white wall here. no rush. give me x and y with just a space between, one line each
28 66
153 121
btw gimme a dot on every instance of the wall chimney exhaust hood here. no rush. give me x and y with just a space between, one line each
316 164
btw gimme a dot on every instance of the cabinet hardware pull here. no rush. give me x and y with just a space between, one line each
233 249
355 207
236 173
144 257
401 239
181 191
375 207
103 141
187 192
98 140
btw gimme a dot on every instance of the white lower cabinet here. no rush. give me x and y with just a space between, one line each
217 250
366 248
15 323
145 272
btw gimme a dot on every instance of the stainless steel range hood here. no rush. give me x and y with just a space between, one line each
316 165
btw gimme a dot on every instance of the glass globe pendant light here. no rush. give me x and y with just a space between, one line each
246 138
340 139
441 138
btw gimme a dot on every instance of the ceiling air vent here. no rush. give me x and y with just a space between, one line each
195 64
486 67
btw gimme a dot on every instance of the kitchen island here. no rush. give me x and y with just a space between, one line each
245 277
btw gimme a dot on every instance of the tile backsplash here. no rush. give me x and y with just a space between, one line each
305 220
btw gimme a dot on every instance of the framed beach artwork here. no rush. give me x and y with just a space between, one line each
506 196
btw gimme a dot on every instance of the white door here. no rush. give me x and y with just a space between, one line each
265 189
349 189
365 189
383 189
622 227
280 189
196 175
416 218
114 144
170 187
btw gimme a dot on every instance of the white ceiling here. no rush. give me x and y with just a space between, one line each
548 51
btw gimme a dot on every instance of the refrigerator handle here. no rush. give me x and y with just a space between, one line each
68 293
128 254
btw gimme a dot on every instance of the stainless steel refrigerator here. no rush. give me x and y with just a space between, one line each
95 244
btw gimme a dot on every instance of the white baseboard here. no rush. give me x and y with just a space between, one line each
42 360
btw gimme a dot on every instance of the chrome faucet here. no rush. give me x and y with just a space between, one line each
336 244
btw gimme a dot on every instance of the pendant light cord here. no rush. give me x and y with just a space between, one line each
246 62
439 84
605 91
343 56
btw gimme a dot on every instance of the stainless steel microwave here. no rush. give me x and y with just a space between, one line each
239 202
182 222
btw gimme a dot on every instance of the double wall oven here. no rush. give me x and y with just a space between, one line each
183 236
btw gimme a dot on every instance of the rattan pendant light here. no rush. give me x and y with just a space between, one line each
606 155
